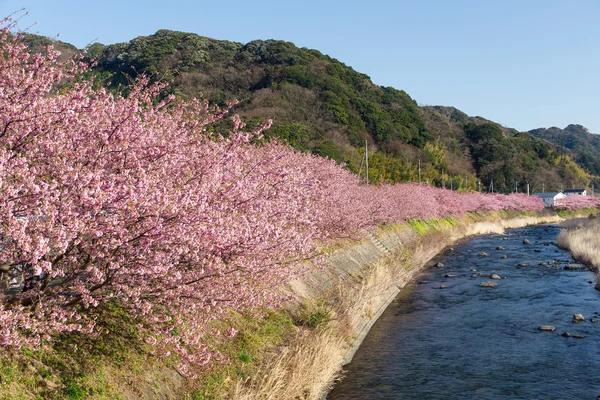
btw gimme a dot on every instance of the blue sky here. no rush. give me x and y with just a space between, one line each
524 64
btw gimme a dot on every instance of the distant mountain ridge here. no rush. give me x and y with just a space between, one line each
577 141
321 105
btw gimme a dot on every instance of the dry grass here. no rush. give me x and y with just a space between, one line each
530 220
299 371
311 363
582 239
480 228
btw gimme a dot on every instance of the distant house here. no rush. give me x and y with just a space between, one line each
550 198
572 192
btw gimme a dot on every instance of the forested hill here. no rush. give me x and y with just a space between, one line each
321 105
577 141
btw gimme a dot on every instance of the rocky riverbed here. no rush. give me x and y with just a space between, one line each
519 322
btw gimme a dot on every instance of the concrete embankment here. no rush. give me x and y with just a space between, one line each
377 268
356 285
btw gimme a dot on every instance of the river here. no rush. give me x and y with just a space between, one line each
465 341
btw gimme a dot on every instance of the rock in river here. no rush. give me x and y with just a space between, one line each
566 334
526 241
483 254
578 318
449 276
499 248
494 276
574 267
547 328
439 265
487 284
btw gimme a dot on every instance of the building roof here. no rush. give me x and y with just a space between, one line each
574 190
547 194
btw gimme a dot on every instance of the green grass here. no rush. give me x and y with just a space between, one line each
575 213
71 365
256 334
312 314
434 224
420 226
443 223
75 392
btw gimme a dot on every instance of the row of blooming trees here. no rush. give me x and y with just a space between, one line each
123 199
577 202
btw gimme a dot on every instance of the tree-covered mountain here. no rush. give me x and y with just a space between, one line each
577 141
321 105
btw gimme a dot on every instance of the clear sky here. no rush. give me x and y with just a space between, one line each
522 63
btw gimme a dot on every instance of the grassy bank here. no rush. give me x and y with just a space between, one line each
581 238
115 365
292 353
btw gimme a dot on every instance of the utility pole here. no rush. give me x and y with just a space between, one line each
419 170
367 161
451 184
543 187
466 183
516 188
528 189
479 183
492 185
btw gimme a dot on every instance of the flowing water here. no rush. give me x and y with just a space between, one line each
472 342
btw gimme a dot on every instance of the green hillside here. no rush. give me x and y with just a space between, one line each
577 141
323 106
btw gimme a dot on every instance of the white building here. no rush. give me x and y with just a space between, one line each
572 192
550 198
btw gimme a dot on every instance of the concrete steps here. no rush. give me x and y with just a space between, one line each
377 243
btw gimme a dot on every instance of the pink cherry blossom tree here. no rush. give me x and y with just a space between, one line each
577 202
127 199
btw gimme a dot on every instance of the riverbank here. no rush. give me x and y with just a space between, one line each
581 238
346 297
294 352
471 329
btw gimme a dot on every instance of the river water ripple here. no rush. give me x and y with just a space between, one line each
472 342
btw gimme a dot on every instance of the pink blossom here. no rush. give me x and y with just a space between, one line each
121 199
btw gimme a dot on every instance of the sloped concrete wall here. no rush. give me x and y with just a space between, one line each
364 278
